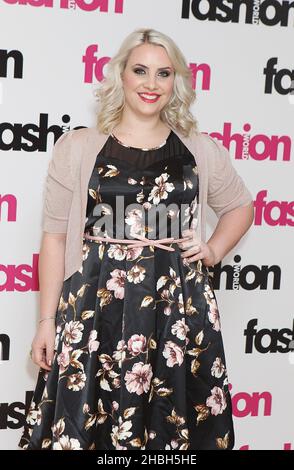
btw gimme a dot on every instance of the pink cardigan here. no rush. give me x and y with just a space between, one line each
71 165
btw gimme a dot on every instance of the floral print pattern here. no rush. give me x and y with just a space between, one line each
139 360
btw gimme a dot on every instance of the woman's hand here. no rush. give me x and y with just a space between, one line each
195 249
43 344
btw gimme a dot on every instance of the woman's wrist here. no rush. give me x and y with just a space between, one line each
50 318
214 258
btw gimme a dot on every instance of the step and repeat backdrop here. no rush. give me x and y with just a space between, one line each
53 54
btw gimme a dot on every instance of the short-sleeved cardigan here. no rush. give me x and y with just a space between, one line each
71 165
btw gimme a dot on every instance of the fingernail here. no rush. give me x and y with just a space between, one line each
49 362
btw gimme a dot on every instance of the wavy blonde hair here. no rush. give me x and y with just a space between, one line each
110 93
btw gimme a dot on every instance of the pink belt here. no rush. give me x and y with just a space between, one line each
142 241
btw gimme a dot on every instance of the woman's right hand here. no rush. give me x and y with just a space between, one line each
43 344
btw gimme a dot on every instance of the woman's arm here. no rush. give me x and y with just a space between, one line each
56 208
231 201
51 272
229 230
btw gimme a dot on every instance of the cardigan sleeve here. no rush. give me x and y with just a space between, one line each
226 188
58 186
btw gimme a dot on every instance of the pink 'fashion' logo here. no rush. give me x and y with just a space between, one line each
273 213
9 201
287 446
103 5
21 278
246 404
94 67
259 147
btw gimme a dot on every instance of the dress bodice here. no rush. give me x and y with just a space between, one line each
164 178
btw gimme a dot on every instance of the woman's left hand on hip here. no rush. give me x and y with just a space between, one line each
195 249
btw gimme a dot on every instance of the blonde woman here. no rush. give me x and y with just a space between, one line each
129 342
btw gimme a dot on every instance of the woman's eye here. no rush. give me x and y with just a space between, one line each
138 70
165 72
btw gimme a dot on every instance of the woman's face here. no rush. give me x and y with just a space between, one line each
148 80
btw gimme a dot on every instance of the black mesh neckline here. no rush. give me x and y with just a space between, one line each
137 159
140 148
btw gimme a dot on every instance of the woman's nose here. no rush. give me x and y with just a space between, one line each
151 82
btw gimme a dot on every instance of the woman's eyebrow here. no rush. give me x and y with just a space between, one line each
145 67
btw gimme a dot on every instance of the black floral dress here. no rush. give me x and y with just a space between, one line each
139 360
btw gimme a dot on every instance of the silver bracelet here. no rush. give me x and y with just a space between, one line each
47 318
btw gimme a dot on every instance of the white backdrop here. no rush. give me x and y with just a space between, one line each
47 78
